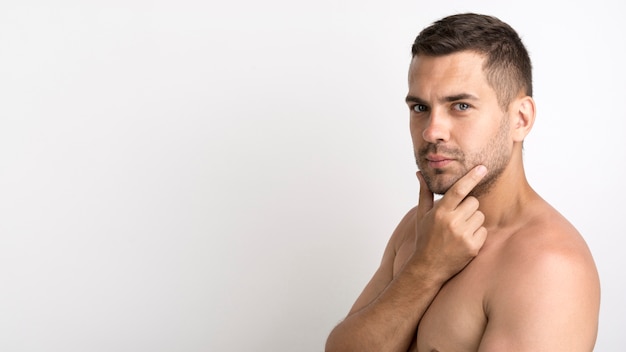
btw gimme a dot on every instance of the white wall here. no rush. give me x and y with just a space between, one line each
190 176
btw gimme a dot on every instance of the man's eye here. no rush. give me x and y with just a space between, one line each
420 108
461 106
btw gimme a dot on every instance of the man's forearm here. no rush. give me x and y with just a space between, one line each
389 322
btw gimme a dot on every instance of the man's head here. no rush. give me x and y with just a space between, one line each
469 97
507 66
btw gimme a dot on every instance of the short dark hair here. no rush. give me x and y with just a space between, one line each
507 66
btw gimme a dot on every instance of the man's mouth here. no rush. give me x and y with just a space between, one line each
438 161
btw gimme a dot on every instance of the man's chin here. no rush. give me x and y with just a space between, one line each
439 191
440 184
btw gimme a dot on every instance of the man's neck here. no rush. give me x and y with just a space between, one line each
504 204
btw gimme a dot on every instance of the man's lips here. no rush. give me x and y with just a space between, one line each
438 161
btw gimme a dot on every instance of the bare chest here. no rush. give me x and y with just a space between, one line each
455 320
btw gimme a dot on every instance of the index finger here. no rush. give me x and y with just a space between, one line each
426 196
461 188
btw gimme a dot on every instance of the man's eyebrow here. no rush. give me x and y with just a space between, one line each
461 96
414 99
448 99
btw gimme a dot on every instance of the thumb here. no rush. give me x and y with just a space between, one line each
426 196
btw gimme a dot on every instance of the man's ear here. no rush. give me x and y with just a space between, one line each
522 117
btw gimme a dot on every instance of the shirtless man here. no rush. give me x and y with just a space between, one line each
490 266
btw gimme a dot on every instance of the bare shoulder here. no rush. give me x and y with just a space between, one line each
405 229
385 272
547 246
546 287
547 238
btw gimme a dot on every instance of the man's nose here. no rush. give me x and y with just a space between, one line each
436 129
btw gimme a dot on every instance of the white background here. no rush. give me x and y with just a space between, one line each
191 176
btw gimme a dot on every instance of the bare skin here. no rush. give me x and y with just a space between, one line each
490 266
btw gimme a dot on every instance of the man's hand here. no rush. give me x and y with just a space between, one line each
449 234
449 231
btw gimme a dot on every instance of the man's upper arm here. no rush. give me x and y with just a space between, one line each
549 302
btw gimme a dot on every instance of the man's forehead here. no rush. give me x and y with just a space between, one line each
453 68
463 61
441 77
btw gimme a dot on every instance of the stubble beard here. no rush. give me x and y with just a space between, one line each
495 156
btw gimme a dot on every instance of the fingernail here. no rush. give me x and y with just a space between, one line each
481 170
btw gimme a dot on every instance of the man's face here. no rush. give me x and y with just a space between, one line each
456 122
